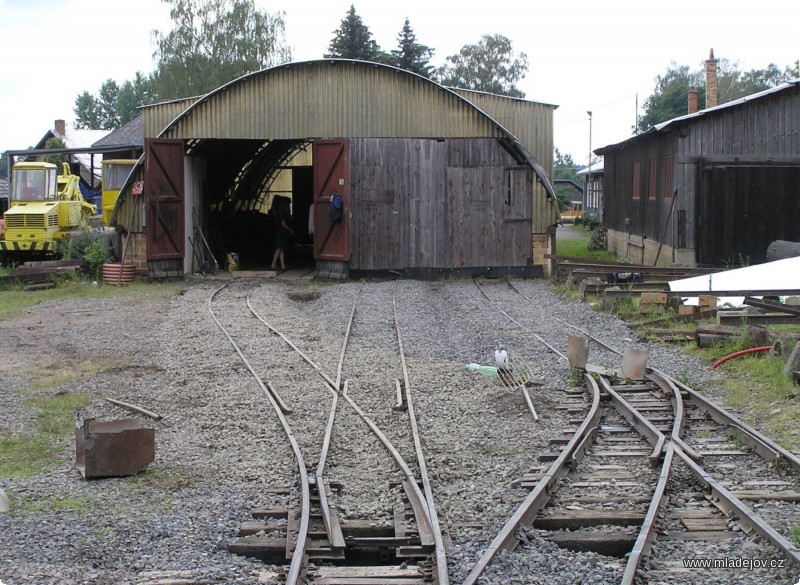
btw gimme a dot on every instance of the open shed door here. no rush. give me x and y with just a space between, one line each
165 210
331 177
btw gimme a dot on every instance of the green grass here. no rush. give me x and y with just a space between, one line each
60 373
55 414
24 455
27 504
579 247
27 454
15 300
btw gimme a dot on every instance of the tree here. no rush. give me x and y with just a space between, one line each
87 112
564 167
4 159
214 42
109 93
410 55
670 95
490 66
353 40
55 159
132 95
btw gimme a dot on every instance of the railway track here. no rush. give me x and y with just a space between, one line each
664 465
405 535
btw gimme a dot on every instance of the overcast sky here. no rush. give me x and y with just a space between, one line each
583 56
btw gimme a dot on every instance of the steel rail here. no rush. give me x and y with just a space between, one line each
679 424
441 560
638 421
734 506
762 444
347 338
520 325
296 565
423 521
417 499
331 527
647 534
290 343
538 497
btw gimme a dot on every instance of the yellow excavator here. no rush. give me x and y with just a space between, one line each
44 208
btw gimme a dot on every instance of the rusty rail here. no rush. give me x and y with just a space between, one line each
424 510
527 512
441 560
520 325
296 566
332 528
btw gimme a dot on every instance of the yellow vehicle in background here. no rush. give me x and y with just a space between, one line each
44 208
115 173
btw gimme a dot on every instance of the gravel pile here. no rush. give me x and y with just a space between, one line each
221 452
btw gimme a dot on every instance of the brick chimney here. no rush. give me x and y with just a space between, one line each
694 98
61 128
711 81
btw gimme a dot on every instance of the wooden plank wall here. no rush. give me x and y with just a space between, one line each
438 204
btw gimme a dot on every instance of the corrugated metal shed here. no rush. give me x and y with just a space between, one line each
329 99
244 134
530 122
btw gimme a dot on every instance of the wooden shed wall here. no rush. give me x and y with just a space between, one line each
438 204
759 138
637 202
765 127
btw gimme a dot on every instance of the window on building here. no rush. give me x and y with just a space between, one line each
668 170
637 181
653 176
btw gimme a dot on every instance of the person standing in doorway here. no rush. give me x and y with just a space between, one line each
283 238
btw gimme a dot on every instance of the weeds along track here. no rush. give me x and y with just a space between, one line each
358 488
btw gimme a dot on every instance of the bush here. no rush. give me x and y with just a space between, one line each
95 255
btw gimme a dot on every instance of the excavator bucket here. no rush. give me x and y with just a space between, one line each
115 448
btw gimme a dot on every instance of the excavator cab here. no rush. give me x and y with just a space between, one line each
33 181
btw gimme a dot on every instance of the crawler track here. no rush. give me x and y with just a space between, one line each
338 542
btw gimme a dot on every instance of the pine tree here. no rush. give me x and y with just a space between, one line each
411 55
354 40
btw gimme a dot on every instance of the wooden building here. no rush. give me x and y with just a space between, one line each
713 188
432 183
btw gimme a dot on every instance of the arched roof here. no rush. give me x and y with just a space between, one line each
338 98
332 98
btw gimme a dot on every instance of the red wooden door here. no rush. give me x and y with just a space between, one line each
164 192
331 177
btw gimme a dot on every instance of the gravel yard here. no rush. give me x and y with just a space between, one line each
219 446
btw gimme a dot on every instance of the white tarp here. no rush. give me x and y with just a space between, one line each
777 275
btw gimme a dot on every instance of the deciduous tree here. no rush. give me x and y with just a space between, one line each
214 42
491 65
670 95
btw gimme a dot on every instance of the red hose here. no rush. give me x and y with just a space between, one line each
721 361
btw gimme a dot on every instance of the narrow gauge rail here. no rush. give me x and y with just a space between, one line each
333 541
662 397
